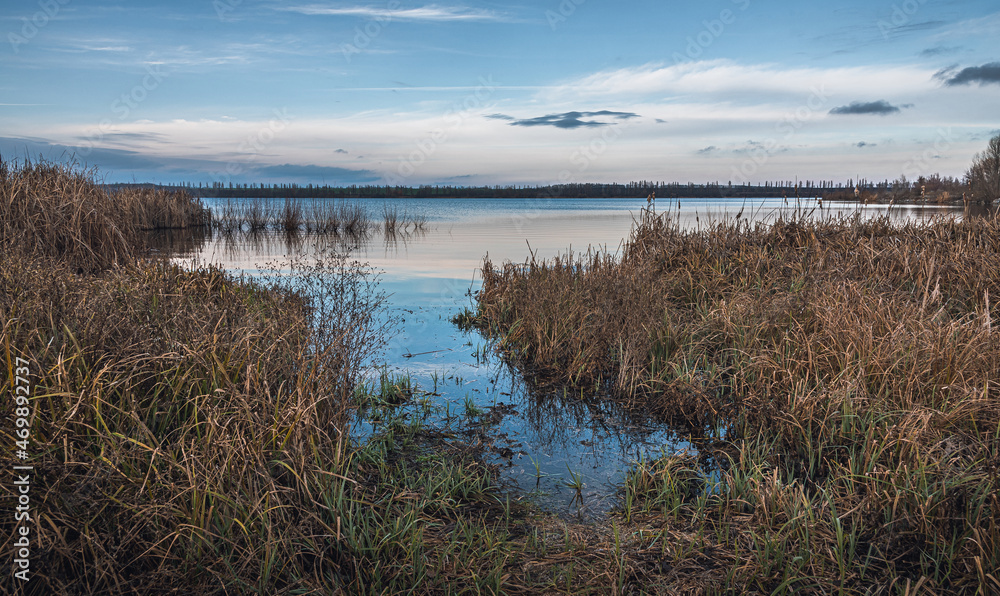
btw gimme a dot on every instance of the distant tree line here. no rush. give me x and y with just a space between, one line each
778 188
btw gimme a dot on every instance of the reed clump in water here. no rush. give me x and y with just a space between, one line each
291 216
398 224
58 211
853 363
347 220
259 215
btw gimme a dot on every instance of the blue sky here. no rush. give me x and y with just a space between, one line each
473 92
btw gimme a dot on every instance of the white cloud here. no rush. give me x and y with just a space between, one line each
186 56
726 77
720 104
430 12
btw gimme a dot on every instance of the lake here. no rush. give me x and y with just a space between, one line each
540 442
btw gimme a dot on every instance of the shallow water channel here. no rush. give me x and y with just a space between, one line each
542 444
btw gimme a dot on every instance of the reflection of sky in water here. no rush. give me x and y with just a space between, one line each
428 277
460 232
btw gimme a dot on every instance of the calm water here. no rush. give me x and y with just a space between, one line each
539 441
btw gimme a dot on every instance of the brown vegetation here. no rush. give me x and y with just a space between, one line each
852 363
58 211
184 424
345 219
188 430
984 174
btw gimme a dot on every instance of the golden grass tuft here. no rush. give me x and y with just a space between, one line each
58 211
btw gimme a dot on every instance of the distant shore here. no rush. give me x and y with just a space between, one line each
948 191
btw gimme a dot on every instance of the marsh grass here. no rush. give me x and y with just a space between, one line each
60 211
398 224
260 215
346 221
183 416
851 363
190 429
291 216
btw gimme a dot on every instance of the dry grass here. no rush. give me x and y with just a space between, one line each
189 430
398 224
185 425
852 363
55 210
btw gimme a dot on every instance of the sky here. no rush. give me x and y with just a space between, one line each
471 92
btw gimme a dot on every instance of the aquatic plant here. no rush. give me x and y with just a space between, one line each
290 216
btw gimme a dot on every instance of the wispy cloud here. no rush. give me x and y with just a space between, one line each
569 119
129 137
940 51
431 12
752 147
988 25
185 56
312 172
441 88
727 77
917 27
877 108
85 48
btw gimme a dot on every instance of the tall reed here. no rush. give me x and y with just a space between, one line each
57 210
290 218
259 215
189 421
847 368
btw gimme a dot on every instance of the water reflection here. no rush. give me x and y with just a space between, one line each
579 435
545 441
185 241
